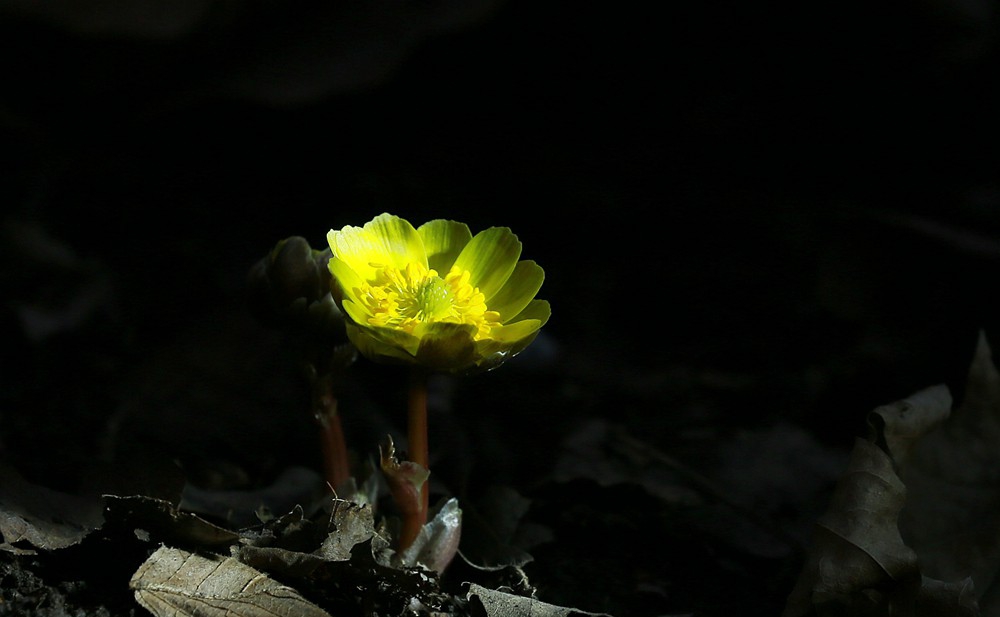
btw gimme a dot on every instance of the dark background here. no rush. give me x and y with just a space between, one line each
748 214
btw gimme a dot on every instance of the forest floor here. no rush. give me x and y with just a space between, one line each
726 316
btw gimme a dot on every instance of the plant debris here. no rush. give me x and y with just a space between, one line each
176 583
37 518
913 526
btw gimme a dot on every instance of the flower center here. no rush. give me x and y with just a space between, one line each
415 296
434 300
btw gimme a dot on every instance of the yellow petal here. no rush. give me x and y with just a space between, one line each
536 309
443 241
383 344
518 291
344 277
511 333
447 347
386 240
494 353
356 312
490 257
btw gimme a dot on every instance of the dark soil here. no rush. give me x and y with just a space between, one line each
755 228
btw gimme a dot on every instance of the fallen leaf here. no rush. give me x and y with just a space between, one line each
952 475
279 561
437 541
857 559
510 577
342 561
955 599
294 486
176 583
901 425
351 525
499 535
293 545
290 528
859 563
493 603
35 517
365 579
166 521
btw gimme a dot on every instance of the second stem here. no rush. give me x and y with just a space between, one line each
417 432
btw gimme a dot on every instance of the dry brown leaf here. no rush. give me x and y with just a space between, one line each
35 517
166 521
176 583
859 562
952 475
901 425
857 554
492 603
352 524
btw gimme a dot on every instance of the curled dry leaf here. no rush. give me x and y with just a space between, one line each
898 427
952 475
176 583
858 560
351 524
914 525
294 546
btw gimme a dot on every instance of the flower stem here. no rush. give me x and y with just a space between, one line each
336 467
418 451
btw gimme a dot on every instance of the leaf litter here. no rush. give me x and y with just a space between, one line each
331 557
913 527
174 582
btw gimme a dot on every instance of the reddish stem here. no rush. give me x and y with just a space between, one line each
336 466
417 434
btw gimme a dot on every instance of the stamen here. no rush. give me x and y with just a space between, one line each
405 299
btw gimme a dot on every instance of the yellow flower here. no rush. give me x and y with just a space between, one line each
436 296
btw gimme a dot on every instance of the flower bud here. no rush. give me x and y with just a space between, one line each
291 287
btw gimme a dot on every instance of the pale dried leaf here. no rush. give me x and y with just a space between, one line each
437 542
492 603
859 563
902 424
951 599
279 561
352 524
858 559
35 517
176 583
952 515
863 513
